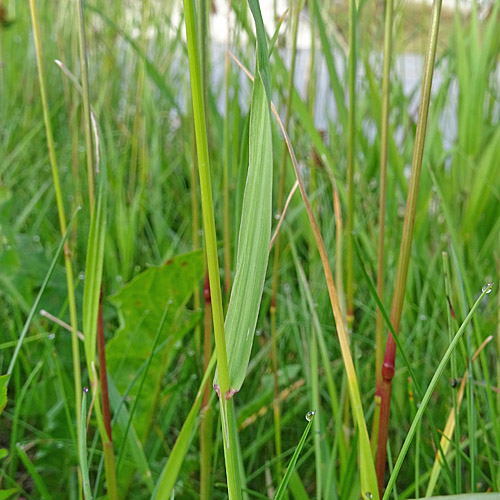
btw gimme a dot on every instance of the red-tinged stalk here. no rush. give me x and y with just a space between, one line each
103 374
107 444
351 129
388 366
196 237
384 135
207 412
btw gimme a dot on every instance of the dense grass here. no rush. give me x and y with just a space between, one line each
153 270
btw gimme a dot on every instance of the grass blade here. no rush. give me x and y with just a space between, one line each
82 448
168 477
293 461
429 391
37 478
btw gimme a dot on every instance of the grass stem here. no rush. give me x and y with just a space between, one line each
62 217
406 241
211 247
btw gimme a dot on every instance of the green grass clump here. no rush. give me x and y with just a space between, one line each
175 182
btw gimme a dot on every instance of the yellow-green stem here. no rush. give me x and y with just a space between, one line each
62 218
211 250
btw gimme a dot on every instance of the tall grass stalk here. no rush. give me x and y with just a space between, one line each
451 320
62 217
384 133
225 171
86 103
351 146
211 247
388 367
277 245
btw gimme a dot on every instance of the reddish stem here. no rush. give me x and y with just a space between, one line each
207 334
384 392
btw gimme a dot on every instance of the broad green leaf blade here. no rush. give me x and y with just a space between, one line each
140 304
255 228
253 247
291 466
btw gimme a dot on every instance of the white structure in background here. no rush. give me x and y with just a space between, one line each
218 21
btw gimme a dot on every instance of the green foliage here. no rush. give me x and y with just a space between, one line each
140 306
3 391
253 242
155 374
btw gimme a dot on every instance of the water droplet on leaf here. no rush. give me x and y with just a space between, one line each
487 288
310 415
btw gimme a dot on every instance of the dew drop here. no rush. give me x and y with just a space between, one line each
59 446
36 238
277 215
368 495
85 390
81 276
310 415
52 336
487 288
